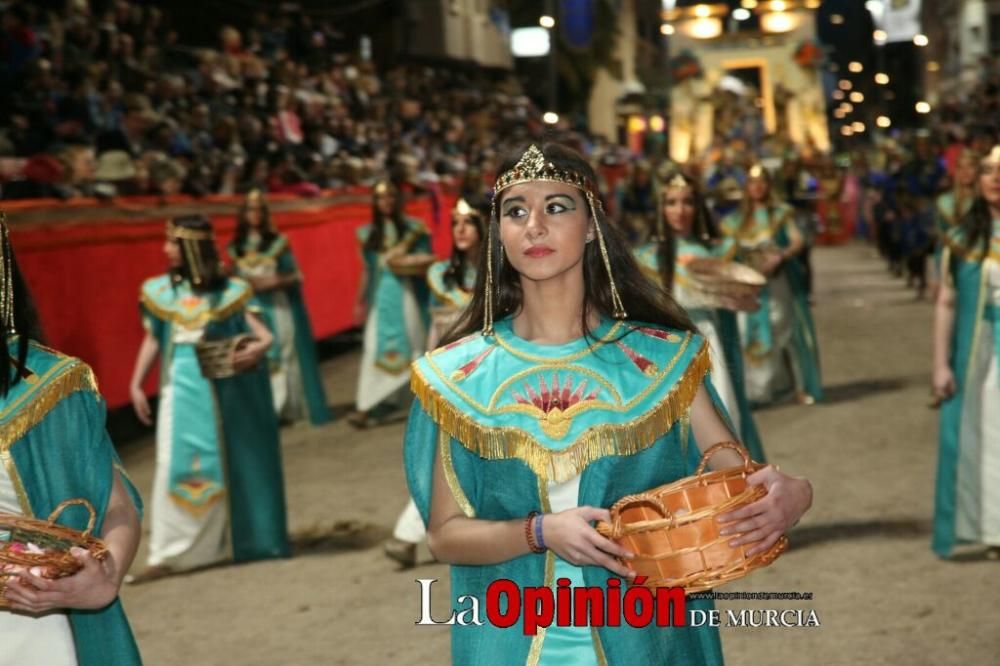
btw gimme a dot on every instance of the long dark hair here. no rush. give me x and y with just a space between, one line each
26 327
747 206
268 234
705 229
379 220
454 275
643 301
200 263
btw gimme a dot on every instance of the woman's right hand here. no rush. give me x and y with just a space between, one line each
571 536
943 383
141 405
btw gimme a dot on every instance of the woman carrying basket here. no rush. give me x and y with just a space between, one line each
686 231
392 301
218 490
966 373
54 447
263 257
570 382
779 339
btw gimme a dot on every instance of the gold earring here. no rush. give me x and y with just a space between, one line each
488 296
616 300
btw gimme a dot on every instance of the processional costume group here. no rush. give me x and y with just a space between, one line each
566 369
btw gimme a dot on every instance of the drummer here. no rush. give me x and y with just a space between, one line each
393 308
612 397
685 231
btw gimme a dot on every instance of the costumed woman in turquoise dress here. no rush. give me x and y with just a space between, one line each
950 207
392 301
966 374
451 283
54 447
263 257
570 382
685 231
779 340
218 492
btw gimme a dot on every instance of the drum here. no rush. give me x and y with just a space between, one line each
673 530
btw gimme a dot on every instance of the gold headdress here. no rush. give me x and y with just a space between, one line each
384 187
189 240
532 167
6 278
462 207
255 196
678 182
993 157
758 171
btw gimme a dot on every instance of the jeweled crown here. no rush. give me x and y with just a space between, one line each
534 167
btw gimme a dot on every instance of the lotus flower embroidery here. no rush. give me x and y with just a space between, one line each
554 401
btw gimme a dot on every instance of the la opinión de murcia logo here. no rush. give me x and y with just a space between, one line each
636 606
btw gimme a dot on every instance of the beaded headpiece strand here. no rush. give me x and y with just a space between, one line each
189 240
6 278
531 167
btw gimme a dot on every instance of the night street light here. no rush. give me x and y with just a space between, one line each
666 29
547 22
882 79
923 107
883 122
921 40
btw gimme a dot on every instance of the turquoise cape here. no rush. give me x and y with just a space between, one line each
54 446
385 293
965 271
449 295
232 448
280 255
724 321
771 227
508 416
948 213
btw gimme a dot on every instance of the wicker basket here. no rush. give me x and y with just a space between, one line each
216 356
673 532
56 540
726 284
411 265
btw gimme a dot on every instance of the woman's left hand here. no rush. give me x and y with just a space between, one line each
94 586
763 522
247 356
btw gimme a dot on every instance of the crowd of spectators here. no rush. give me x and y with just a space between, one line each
105 101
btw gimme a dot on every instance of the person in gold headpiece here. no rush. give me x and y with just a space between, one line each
569 382
451 283
262 256
392 300
779 339
218 490
950 207
54 447
966 375
686 231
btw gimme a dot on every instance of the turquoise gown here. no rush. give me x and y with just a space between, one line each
967 496
515 422
779 340
447 300
716 324
398 317
220 435
54 446
295 376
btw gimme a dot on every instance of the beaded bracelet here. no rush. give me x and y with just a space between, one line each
529 535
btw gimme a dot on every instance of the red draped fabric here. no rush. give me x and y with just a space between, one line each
84 263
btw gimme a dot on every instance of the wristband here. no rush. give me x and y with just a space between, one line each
529 535
538 533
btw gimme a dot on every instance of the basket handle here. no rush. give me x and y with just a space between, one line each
70 502
735 446
627 501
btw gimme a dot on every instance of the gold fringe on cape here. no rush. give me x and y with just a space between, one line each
219 314
39 402
503 443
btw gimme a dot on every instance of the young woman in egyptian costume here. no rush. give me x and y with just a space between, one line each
570 382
